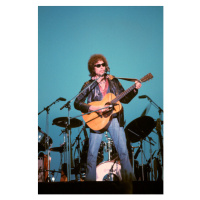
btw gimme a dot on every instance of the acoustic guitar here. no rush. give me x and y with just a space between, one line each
100 121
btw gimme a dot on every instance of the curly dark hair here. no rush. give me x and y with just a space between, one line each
94 59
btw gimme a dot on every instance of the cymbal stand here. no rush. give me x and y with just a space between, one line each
142 154
47 109
141 148
108 146
78 147
109 149
64 147
68 147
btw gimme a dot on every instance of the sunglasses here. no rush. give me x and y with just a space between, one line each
99 65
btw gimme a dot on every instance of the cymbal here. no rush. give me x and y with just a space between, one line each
63 122
140 128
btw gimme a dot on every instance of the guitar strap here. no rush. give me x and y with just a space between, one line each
126 79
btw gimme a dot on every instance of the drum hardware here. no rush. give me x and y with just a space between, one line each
159 122
77 141
67 123
151 156
47 109
60 150
110 148
142 159
150 161
133 158
144 174
140 149
157 169
158 162
52 179
78 160
138 130
74 169
160 138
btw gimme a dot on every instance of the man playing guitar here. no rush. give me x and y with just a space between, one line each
105 119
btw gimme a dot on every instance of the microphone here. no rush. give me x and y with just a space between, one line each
61 99
142 96
105 74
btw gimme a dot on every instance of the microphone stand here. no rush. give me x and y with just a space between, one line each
47 109
160 111
67 105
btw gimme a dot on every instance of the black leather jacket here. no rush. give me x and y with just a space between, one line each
93 93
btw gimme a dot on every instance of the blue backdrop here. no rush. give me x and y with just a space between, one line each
131 38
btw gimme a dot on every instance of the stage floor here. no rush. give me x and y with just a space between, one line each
135 187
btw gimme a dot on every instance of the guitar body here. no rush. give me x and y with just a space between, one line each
100 121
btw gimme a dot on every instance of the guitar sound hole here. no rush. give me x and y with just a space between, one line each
109 112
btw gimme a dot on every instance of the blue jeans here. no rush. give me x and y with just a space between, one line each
118 136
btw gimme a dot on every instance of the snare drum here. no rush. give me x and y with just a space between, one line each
108 171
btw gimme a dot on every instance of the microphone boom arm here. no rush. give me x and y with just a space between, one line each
67 104
47 108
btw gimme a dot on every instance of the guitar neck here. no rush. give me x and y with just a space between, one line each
144 79
123 94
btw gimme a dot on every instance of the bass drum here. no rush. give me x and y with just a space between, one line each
108 171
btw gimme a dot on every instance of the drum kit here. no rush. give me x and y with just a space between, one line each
136 131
